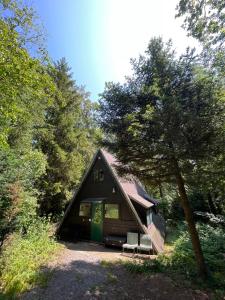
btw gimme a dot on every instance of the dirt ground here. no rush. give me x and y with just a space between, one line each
79 273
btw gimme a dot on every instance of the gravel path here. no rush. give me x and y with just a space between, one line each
79 274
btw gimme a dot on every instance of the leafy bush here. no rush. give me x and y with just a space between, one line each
213 246
18 196
210 218
182 261
23 257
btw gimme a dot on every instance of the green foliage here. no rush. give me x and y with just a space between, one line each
67 140
25 88
18 196
46 127
47 132
23 257
204 20
213 246
181 262
170 110
166 121
27 212
206 201
22 18
147 267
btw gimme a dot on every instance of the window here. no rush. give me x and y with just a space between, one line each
95 176
98 175
101 175
149 216
112 211
85 210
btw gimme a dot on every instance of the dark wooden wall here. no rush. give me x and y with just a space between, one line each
76 226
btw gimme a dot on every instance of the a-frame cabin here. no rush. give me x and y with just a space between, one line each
109 205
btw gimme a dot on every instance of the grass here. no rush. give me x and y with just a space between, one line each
105 263
23 259
79 277
111 278
97 289
111 263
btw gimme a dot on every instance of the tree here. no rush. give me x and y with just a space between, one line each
25 91
66 140
205 21
208 179
22 19
164 121
25 88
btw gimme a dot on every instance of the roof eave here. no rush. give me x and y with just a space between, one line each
147 206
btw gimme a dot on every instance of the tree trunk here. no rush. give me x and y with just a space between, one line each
191 224
160 190
212 206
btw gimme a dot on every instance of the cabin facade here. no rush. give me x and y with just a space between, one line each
108 205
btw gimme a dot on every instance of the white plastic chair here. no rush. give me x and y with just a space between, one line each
145 243
132 242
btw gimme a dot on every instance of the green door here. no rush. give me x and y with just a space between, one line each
96 221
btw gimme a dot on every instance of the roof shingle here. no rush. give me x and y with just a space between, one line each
131 186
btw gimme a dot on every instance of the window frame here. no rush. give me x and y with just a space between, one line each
101 175
108 218
98 175
90 207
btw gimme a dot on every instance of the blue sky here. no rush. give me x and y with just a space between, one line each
98 37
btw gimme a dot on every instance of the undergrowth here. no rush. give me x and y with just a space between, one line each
180 262
23 257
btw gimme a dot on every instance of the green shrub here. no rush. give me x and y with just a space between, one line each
182 261
23 257
147 266
213 246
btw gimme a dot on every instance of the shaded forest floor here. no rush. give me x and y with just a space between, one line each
90 271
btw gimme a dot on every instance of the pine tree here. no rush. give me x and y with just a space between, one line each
66 140
165 121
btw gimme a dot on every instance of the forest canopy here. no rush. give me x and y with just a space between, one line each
165 124
47 124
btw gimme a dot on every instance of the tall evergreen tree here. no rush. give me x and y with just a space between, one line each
205 21
165 121
66 140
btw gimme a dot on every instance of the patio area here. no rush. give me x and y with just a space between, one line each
98 252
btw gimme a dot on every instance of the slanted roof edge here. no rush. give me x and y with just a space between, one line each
147 205
77 191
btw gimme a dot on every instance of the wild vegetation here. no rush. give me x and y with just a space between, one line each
46 126
166 124
178 260
47 123
24 257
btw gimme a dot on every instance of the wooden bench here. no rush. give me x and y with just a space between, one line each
114 240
